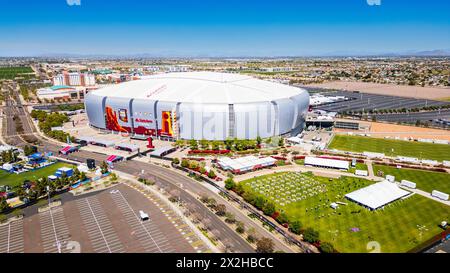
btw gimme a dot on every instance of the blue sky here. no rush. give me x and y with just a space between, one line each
222 28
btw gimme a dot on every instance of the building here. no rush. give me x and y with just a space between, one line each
74 79
199 105
326 163
56 92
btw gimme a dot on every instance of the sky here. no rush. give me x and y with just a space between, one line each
222 28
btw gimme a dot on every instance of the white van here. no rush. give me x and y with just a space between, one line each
143 215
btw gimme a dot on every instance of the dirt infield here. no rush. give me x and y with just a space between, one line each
378 129
434 93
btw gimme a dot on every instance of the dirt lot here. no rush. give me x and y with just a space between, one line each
435 93
382 130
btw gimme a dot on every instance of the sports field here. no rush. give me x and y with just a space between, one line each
391 147
425 180
15 180
398 227
12 72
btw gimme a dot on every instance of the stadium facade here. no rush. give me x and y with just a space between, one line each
199 105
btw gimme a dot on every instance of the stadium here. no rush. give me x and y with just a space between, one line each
199 105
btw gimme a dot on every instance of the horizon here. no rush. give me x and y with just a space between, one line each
231 29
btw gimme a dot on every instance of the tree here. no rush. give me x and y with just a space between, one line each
193 144
295 226
229 218
229 184
82 176
268 208
212 202
282 218
176 160
326 247
281 142
264 245
221 209
104 167
4 206
258 140
259 202
310 235
184 163
211 174
240 228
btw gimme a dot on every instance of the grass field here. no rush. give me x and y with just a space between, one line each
424 180
391 147
15 180
12 72
398 227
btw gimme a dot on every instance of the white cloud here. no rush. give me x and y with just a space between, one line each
373 2
73 2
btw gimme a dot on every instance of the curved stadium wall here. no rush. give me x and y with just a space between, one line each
199 118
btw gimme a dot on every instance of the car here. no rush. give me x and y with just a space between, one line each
143 215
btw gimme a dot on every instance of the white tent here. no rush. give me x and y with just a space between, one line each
377 195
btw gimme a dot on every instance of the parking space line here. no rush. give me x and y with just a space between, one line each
99 228
137 218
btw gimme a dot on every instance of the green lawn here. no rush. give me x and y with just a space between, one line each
12 72
391 147
398 227
15 180
425 180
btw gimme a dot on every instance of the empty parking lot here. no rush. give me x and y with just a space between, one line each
102 222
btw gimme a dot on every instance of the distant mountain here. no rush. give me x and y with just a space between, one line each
436 52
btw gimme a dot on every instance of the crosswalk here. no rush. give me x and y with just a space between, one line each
101 233
54 231
11 237
149 235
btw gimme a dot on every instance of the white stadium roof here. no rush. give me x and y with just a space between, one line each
200 87
377 195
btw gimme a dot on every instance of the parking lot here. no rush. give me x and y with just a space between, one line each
102 222
364 101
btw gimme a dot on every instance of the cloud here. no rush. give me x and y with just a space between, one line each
373 2
73 2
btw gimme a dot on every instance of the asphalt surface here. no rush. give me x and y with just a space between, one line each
101 222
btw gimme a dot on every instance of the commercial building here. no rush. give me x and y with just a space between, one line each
74 79
199 105
326 163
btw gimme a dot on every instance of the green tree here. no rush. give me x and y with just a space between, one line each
4 206
258 140
295 226
229 184
104 167
184 163
310 235
221 209
326 247
259 202
268 208
211 174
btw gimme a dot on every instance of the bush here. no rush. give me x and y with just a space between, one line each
310 235
268 208
295 226
240 228
176 161
326 247
229 184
